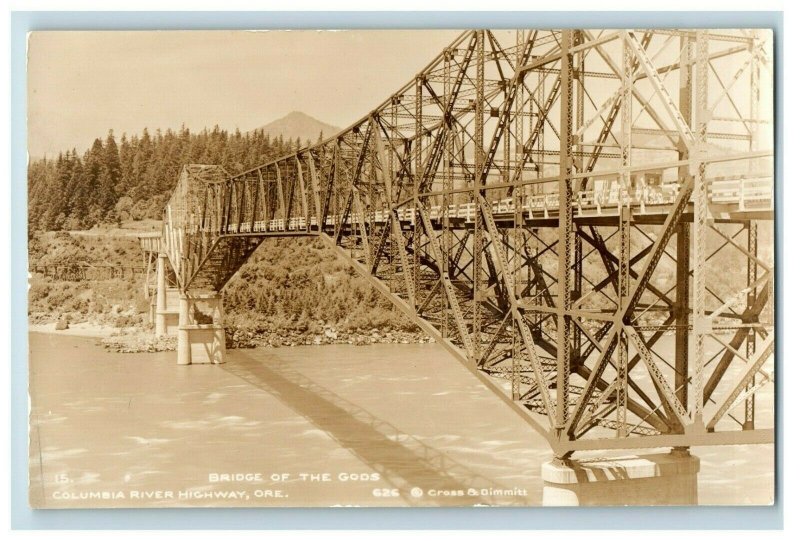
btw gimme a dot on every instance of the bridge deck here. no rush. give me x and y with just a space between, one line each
733 204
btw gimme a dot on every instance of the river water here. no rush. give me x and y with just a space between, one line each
380 425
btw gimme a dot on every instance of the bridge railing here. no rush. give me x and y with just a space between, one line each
744 193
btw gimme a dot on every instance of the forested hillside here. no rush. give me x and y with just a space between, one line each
132 178
289 292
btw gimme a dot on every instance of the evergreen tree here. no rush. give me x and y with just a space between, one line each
135 178
112 160
143 154
126 178
75 217
110 174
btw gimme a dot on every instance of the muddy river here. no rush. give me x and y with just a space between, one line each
381 425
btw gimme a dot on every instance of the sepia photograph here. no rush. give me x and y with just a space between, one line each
401 268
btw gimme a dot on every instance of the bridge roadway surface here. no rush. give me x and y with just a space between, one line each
730 200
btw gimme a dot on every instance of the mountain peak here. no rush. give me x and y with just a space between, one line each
298 124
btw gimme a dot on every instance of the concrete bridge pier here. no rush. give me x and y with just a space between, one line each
164 312
201 333
161 295
652 479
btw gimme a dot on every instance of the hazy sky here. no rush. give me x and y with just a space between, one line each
80 84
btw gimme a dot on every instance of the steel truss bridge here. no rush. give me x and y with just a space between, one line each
574 215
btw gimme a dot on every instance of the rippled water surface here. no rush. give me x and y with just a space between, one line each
382 425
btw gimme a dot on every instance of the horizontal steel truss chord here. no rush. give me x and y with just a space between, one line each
411 197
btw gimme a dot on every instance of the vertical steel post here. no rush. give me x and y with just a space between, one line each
447 198
752 229
683 237
281 194
335 184
577 282
535 111
702 324
312 173
418 181
752 269
577 285
517 199
505 171
580 98
623 276
303 192
394 248
566 250
622 343
477 239
682 311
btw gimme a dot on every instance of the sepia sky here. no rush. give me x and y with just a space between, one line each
81 84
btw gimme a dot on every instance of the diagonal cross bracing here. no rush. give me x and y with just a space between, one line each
485 243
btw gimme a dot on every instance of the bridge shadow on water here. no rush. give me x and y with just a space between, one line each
403 460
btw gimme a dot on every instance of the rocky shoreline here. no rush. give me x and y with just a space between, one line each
141 340
248 338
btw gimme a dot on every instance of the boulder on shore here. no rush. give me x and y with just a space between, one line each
62 325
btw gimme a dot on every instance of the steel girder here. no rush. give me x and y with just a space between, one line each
539 202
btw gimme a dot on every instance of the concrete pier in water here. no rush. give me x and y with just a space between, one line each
653 479
195 317
164 312
201 333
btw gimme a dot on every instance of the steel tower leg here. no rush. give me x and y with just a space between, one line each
701 322
566 250
752 240
477 239
683 239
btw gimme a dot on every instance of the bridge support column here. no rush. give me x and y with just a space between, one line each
201 333
656 479
161 296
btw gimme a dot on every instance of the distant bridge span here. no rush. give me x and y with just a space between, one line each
535 200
